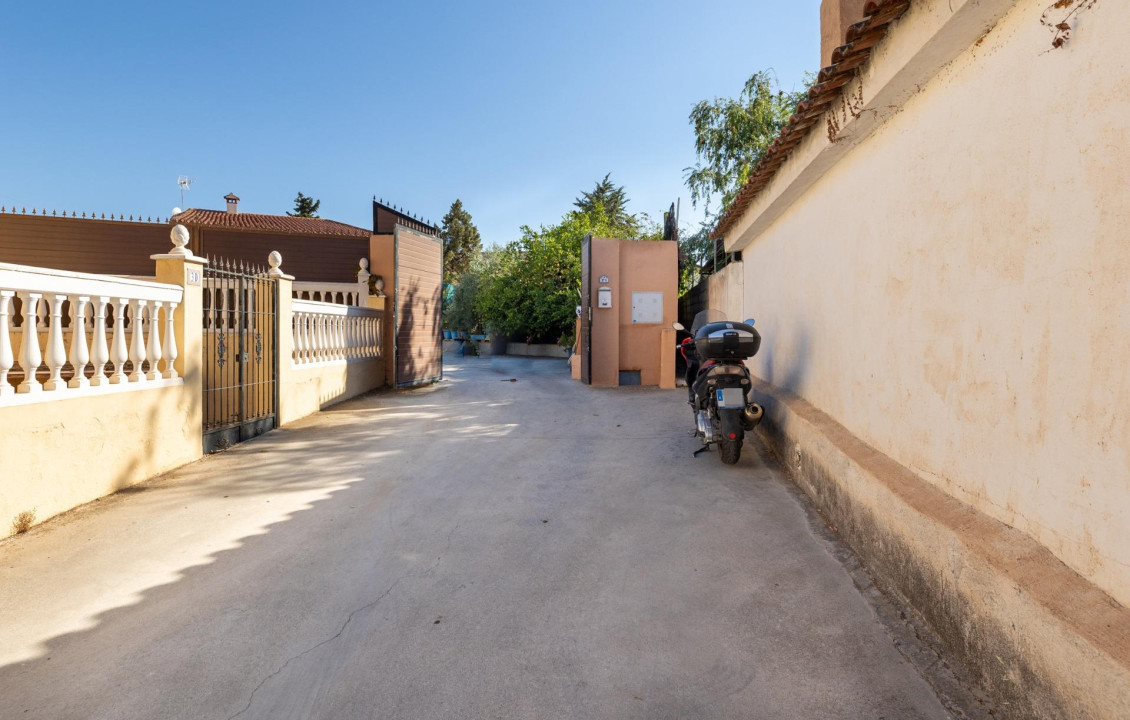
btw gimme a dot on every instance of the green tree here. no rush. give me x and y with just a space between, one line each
612 201
732 135
461 241
305 207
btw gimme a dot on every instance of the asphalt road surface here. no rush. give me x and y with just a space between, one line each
484 548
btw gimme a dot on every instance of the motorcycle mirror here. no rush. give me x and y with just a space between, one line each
678 326
749 321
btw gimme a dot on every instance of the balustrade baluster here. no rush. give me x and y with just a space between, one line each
80 356
100 354
29 346
296 335
323 337
7 360
170 351
56 355
300 338
154 349
118 352
339 338
137 339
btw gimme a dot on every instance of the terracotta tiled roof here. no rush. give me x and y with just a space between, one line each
846 61
268 223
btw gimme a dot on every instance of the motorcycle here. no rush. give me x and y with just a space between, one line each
718 382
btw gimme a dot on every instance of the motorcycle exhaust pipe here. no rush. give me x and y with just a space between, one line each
752 415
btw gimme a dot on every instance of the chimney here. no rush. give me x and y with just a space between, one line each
233 203
836 16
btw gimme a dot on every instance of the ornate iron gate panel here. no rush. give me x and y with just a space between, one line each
240 354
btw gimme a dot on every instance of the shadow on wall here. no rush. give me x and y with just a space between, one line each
792 376
419 340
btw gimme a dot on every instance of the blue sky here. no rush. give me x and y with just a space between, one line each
512 107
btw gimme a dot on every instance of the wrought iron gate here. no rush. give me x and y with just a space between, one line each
240 353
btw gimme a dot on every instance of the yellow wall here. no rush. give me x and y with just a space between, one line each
953 289
57 454
304 390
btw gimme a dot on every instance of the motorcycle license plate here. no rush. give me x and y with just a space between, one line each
730 398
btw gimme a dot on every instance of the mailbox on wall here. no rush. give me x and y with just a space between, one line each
604 297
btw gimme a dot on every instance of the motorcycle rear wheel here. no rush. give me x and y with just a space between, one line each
730 450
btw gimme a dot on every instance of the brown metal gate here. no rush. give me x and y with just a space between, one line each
586 310
418 330
240 353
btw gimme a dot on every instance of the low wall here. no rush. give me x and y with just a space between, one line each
313 388
62 453
332 353
1040 639
536 350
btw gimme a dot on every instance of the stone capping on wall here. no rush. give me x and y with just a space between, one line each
1041 640
867 83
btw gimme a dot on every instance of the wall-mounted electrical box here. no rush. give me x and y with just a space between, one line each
604 297
647 307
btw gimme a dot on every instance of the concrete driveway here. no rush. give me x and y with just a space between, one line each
479 549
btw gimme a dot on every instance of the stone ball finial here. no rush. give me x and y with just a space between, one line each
179 236
364 263
274 259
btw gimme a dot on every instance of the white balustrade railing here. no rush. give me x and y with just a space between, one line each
325 332
95 325
336 293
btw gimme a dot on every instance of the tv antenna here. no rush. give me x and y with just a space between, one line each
185 183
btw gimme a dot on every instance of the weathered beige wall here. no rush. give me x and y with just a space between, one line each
954 289
726 291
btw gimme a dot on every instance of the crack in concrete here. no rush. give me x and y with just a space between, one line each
344 625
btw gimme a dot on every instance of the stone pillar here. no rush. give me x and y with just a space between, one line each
380 302
180 267
284 331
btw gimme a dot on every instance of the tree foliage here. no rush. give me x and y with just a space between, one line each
533 287
305 207
612 201
732 135
461 241
696 249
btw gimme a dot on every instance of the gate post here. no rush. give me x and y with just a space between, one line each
284 331
180 267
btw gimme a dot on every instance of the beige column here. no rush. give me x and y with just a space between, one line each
181 267
284 331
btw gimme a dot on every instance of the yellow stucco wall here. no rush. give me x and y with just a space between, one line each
954 289
59 454
306 389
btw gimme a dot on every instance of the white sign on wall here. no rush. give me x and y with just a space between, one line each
647 307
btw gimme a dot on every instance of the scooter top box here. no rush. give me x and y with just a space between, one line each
726 341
